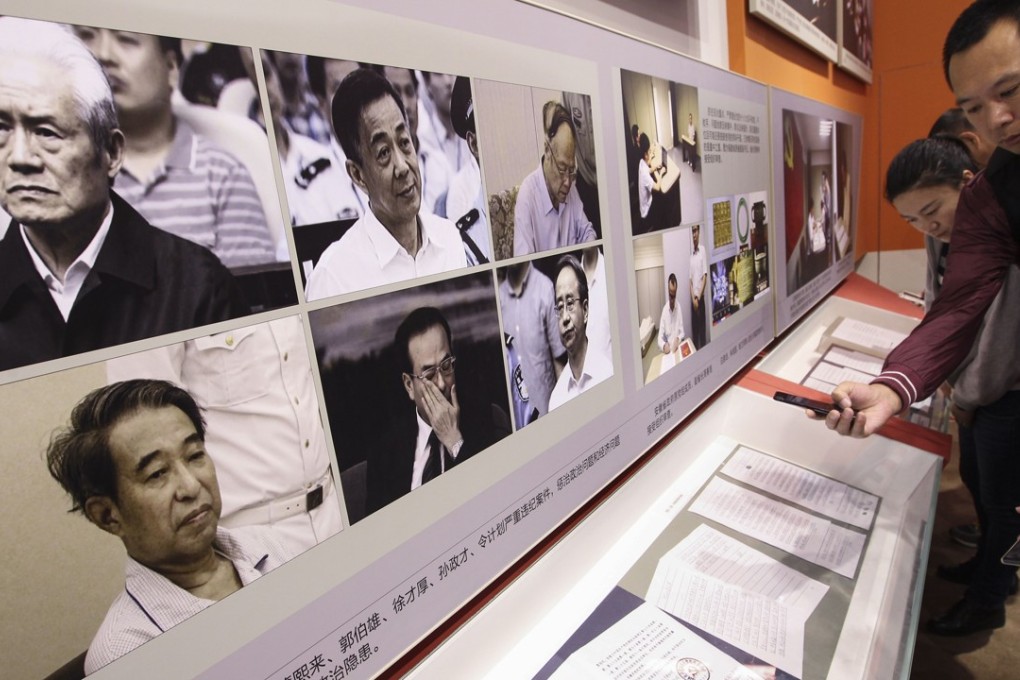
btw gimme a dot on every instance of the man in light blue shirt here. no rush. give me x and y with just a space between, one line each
549 213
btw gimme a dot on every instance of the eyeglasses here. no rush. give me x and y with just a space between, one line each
568 303
563 170
445 367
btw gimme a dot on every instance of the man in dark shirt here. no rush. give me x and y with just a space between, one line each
982 65
445 431
79 268
981 58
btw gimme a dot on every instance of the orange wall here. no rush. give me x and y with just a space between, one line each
906 95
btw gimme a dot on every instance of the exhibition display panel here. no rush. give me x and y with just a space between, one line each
461 296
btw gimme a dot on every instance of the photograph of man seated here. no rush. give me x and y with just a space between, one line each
80 268
540 169
133 461
663 152
262 432
178 178
413 384
397 238
256 386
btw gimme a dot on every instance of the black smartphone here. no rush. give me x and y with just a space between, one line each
820 407
1012 556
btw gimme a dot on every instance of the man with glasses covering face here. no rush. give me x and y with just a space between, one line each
549 213
586 366
445 431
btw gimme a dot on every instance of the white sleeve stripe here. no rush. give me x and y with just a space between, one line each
904 382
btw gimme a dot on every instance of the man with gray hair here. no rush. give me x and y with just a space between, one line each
79 268
549 212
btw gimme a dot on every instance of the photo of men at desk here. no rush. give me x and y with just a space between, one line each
248 477
540 167
663 152
93 256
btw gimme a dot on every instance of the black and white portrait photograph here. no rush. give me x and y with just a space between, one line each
153 485
414 385
552 345
138 213
381 170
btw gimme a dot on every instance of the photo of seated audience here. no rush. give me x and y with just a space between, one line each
81 267
202 466
540 169
662 129
413 384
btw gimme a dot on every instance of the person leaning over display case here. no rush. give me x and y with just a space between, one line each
177 179
133 461
586 366
954 123
549 213
394 240
981 62
923 183
80 269
444 431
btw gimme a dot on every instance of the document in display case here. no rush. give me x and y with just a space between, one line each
847 337
766 539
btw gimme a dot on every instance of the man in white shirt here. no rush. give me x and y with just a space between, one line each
586 366
648 182
699 281
394 240
133 460
671 323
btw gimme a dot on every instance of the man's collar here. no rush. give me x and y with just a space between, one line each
166 603
385 246
87 256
